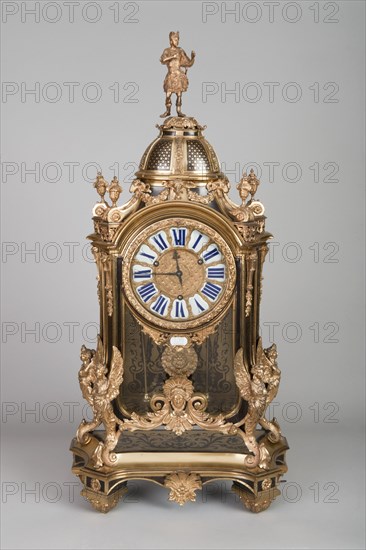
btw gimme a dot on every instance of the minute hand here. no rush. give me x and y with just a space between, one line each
179 273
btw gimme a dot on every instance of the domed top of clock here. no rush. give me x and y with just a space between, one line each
180 151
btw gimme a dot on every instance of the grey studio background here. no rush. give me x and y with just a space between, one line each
280 86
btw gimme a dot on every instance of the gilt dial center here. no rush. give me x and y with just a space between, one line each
179 274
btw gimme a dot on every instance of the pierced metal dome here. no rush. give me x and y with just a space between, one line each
179 152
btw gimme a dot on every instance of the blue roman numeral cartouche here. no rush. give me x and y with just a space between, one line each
147 291
179 237
148 255
216 272
199 305
159 240
211 254
142 274
211 291
179 309
160 305
196 242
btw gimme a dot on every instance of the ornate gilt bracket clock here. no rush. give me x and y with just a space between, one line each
180 380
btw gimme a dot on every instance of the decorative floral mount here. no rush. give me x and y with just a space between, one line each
183 486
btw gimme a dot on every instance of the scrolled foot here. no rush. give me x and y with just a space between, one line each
103 503
256 503
256 507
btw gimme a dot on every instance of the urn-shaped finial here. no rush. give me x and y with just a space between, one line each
114 191
101 186
248 185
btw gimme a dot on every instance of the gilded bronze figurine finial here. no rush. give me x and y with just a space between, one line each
176 81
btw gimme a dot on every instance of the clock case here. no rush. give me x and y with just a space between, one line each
180 415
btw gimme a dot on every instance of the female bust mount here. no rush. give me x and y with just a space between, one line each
176 80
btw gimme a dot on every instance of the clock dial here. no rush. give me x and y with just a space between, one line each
179 275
